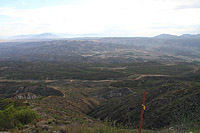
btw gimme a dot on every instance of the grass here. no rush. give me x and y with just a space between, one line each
106 128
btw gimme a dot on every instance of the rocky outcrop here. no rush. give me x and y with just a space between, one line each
113 92
119 92
20 91
26 96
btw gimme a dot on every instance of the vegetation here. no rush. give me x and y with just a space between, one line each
83 83
15 114
115 93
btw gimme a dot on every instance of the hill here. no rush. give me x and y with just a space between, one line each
103 50
97 85
166 36
35 36
80 94
45 36
184 36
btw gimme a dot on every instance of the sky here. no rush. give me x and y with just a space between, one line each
100 17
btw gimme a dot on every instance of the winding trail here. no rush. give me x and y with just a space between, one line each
142 76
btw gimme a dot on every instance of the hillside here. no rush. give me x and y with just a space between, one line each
97 85
80 94
23 91
164 106
103 50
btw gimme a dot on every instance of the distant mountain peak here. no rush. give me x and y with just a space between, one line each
36 36
184 36
192 36
165 36
22 36
45 36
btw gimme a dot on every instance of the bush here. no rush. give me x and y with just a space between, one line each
12 116
25 115
7 120
20 126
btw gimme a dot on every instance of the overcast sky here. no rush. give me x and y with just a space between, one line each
103 17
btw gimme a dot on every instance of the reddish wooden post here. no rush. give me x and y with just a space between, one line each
143 108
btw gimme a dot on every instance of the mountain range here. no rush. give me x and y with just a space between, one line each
66 35
184 36
50 36
36 36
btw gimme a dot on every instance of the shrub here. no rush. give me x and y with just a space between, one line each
15 114
25 115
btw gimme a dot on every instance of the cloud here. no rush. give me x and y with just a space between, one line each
23 2
109 17
188 4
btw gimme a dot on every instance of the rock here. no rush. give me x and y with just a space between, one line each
21 91
118 92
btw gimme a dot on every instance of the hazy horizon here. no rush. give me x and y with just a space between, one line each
92 35
137 18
